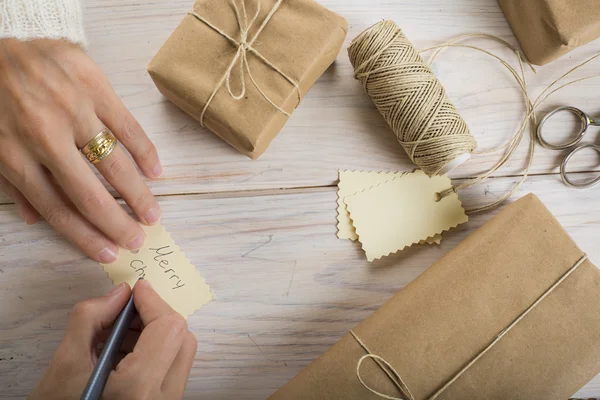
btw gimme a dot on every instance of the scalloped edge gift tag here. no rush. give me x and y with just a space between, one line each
166 267
352 182
403 211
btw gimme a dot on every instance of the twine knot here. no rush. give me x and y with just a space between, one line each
244 46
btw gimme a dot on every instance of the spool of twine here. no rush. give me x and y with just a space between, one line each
411 98
414 103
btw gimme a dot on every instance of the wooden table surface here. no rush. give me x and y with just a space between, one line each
263 233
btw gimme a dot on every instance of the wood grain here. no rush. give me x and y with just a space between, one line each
286 288
337 125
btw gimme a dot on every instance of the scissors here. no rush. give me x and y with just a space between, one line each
586 121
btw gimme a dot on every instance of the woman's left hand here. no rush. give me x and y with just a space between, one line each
54 99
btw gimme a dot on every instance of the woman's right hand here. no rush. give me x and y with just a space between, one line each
153 363
53 100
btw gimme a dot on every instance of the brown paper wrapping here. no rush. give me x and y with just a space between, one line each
302 39
548 29
442 320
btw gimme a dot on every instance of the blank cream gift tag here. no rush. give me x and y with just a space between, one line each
169 271
403 211
352 182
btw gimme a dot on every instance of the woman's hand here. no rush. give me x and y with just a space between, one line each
157 368
53 100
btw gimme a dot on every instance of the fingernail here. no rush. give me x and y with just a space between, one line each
107 255
152 216
157 171
145 282
136 242
116 289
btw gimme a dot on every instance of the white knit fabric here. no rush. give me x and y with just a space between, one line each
37 19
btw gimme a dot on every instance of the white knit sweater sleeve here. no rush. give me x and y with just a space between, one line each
37 19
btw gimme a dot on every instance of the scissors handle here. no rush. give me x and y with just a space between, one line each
563 168
585 119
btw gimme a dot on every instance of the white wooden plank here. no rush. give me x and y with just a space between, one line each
286 288
337 125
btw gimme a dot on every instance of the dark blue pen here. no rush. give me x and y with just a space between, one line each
95 386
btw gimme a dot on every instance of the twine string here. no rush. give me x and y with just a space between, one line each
513 143
414 103
385 367
529 119
394 376
244 46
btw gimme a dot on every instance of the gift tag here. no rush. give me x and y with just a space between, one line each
435 239
403 211
352 182
165 266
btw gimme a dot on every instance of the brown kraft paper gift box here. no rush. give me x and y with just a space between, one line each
548 29
433 328
301 39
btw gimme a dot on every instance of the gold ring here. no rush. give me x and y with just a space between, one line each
100 146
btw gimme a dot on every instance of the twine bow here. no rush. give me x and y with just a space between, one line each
385 367
244 45
394 376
